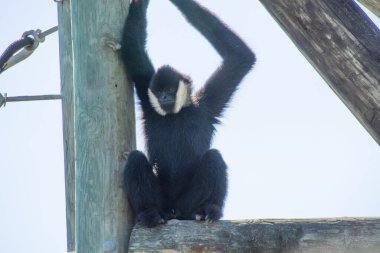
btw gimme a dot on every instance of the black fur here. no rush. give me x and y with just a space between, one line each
181 178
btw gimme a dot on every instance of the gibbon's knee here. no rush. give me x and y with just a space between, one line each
213 159
136 159
205 193
140 183
216 169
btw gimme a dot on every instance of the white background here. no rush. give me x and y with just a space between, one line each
293 148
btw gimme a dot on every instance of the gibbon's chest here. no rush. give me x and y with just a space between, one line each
178 140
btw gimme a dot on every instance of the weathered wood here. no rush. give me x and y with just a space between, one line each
343 46
261 236
359 25
104 126
372 5
66 70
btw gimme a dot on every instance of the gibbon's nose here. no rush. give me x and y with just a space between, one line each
166 98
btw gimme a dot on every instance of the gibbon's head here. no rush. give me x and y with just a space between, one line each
169 91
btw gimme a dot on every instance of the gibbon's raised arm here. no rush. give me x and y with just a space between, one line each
238 59
139 67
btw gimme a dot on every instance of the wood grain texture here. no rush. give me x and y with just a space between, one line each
66 70
104 126
349 235
343 45
372 5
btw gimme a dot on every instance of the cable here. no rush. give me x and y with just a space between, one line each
29 42
12 49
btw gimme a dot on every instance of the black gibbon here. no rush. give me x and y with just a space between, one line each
181 177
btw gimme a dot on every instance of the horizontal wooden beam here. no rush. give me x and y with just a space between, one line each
343 45
261 236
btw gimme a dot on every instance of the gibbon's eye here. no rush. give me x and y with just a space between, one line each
172 90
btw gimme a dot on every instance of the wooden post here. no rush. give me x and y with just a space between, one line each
343 45
99 124
66 69
352 235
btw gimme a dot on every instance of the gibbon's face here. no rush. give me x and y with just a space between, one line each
169 91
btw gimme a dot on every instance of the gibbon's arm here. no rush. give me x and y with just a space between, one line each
139 67
238 59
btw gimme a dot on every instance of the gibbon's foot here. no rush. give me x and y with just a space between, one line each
209 213
150 218
172 222
171 214
213 213
199 217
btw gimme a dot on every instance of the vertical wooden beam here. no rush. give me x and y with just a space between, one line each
343 45
104 126
66 69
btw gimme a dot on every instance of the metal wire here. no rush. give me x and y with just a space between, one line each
4 99
12 49
48 32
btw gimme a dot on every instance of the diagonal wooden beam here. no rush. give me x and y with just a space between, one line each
372 5
343 45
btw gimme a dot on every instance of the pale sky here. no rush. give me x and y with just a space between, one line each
293 149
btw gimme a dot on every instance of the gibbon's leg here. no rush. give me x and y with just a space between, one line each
203 197
143 190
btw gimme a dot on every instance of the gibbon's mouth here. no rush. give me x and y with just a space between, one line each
168 106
